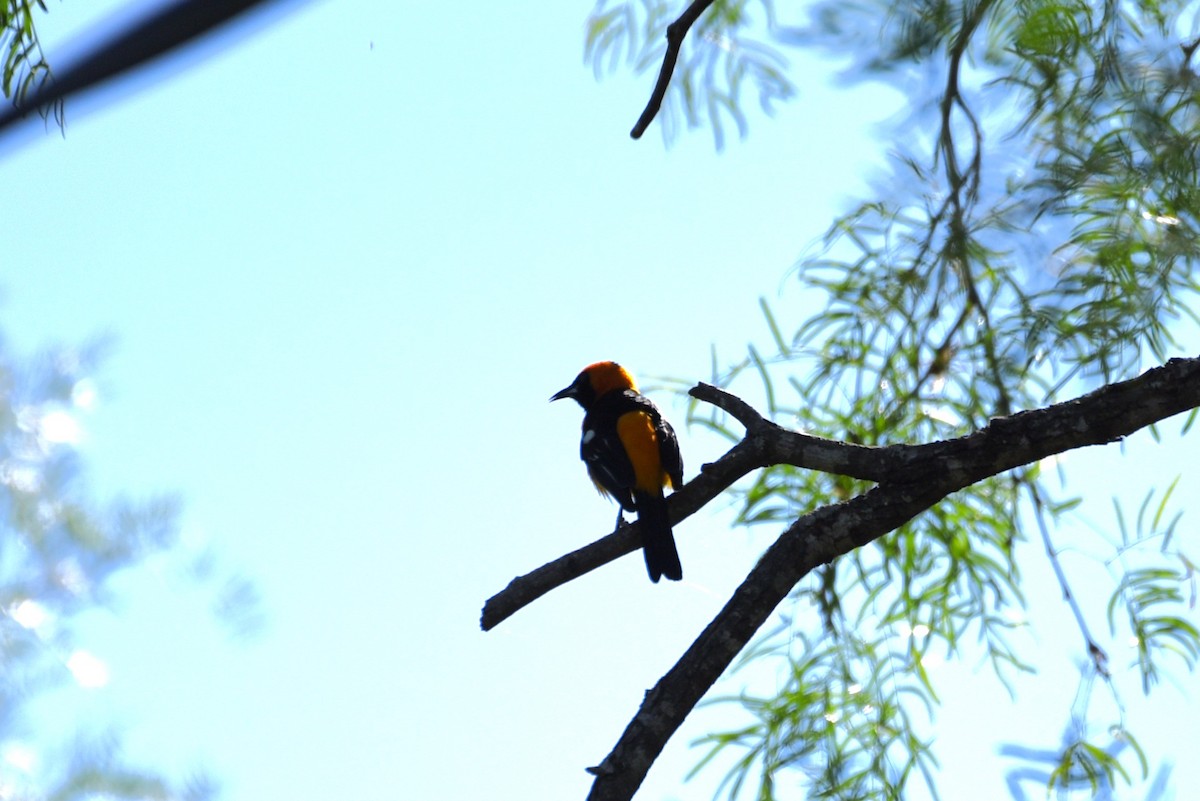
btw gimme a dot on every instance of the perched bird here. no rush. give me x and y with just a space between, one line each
631 453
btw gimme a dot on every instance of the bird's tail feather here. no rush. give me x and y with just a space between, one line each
658 544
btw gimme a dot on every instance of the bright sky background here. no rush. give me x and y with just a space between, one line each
344 263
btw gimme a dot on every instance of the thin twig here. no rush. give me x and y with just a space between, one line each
676 32
970 181
936 367
1095 652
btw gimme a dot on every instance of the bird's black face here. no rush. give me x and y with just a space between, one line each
581 390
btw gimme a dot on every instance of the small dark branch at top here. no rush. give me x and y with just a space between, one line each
676 32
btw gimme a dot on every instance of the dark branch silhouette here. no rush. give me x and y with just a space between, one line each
676 32
168 29
910 479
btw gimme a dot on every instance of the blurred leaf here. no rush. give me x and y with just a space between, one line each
59 551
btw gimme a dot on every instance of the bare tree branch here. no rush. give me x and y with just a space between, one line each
676 32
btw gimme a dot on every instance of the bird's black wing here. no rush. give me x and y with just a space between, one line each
668 450
602 450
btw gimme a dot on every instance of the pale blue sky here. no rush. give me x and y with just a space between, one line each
344 264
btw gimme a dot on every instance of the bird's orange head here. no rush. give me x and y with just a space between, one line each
596 380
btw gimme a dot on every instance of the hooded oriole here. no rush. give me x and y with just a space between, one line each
631 453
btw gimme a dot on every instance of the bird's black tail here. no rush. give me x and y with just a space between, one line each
658 544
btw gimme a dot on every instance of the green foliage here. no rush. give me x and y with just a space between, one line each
1153 597
1084 765
840 715
1038 231
25 66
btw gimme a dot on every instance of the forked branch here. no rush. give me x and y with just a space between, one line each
924 475
909 480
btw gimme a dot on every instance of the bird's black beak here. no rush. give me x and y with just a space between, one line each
577 390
